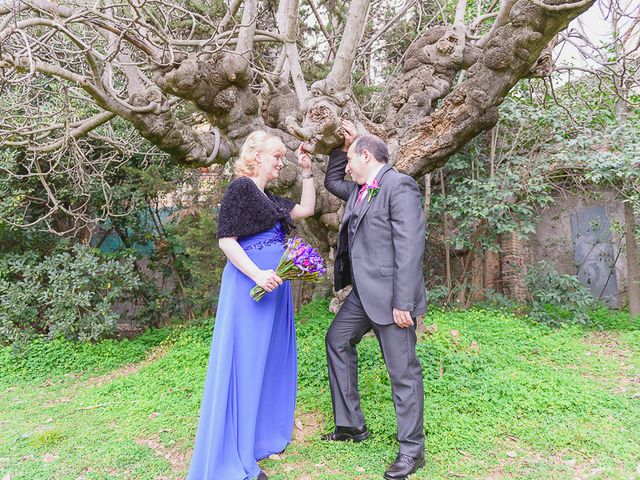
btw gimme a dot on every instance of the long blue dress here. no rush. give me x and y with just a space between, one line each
250 390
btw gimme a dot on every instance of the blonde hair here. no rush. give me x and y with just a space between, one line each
259 141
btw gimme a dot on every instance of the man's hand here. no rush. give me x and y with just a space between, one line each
402 318
350 133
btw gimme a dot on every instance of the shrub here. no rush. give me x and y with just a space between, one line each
198 259
557 298
70 293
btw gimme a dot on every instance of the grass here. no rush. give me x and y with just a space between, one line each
504 398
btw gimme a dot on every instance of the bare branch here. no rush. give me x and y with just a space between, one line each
330 39
480 19
248 28
340 74
80 131
501 20
226 20
288 23
392 21
228 38
461 8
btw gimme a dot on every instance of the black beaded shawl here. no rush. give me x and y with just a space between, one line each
245 210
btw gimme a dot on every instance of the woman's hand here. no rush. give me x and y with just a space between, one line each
267 279
307 204
350 133
303 159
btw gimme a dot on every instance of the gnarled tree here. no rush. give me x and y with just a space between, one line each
195 79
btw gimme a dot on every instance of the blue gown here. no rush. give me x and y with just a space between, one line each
250 389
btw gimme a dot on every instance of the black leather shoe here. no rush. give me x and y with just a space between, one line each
262 476
343 434
403 467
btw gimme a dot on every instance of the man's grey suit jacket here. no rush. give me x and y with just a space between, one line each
381 241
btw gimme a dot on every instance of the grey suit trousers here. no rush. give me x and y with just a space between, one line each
398 347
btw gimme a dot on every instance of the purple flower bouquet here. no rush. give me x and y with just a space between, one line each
299 260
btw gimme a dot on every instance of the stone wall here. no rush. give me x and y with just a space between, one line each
584 236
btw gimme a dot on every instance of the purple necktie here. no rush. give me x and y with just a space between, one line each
361 193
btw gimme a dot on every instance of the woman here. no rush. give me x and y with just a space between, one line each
250 389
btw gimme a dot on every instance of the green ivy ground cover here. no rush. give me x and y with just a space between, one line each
504 398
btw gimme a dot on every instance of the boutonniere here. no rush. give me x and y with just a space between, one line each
372 190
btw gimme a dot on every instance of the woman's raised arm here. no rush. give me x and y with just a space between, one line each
307 205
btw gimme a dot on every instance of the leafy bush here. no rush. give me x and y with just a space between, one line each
70 293
557 298
437 295
498 301
198 259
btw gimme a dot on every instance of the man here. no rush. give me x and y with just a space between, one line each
380 252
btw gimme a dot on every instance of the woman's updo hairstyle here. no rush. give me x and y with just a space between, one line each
259 141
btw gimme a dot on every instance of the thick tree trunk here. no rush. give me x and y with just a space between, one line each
445 236
477 278
427 196
633 261
514 268
473 106
491 271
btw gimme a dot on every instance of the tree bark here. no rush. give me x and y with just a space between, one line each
247 29
477 278
633 261
445 236
473 106
288 24
622 111
340 75
513 268
491 271
427 196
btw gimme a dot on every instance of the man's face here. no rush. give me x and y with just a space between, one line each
357 165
